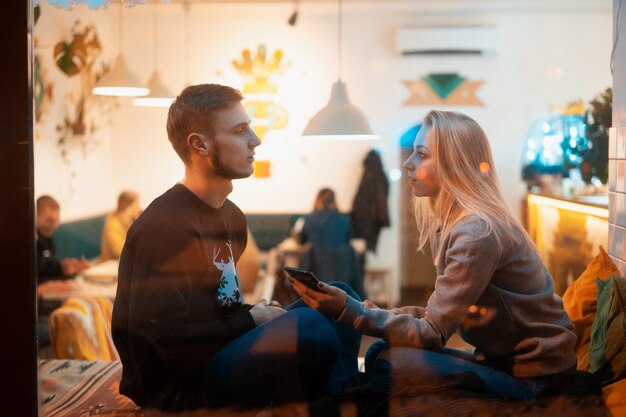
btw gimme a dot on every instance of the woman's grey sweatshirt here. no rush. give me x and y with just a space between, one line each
499 297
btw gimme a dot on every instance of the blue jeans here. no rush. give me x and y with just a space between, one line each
430 366
301 355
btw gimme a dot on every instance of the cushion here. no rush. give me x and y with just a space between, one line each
614 397
81 329
580 302
248 266
607 352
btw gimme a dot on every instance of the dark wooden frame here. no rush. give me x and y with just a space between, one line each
17 240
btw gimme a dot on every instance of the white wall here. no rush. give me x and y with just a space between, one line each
536 37
82 182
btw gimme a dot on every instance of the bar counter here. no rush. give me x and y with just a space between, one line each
567 232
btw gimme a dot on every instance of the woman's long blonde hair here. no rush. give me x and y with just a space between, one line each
469 185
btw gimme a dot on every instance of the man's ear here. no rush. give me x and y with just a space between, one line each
199 143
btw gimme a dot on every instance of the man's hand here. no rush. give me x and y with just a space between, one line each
72 266
263 312
331 301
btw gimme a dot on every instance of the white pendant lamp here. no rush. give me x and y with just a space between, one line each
160 95
119 81
339 119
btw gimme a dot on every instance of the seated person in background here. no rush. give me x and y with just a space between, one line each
184 336
48 266
117 223
491 285
330 256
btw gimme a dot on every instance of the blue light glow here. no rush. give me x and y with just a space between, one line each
554 145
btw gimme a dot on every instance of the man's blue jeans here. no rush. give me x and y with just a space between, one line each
299 356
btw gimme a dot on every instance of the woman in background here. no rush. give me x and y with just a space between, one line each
491 284
117 223
330 256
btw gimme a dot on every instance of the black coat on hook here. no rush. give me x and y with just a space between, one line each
369 208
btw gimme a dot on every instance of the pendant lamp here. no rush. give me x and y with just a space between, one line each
339 119
119 81
160 95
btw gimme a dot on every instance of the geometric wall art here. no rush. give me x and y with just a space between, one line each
443 89
261 73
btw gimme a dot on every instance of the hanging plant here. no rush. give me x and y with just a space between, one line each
595 159
77 58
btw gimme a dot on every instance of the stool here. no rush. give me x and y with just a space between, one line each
377 286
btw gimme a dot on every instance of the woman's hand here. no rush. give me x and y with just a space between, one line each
331 301
263 311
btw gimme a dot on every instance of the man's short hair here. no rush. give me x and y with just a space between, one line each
45 201
192 112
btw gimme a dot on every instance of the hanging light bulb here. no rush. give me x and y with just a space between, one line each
160 95
339 119
119 81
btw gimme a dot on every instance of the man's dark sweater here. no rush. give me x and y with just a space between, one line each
48 266
178 300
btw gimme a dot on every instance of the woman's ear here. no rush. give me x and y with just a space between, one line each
199 143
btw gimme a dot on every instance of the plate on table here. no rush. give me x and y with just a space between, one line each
102 273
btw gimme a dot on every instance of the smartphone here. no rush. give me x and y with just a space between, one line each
306 277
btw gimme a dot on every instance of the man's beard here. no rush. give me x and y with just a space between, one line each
221 169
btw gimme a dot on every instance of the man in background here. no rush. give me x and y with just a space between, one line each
48 266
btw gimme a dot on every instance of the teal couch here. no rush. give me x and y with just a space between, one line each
82 237
79 238
271 229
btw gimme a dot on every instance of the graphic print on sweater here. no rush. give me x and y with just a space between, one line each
228 290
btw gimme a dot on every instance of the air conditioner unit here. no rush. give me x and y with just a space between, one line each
478 40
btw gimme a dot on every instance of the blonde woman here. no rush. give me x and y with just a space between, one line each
491 285
117 223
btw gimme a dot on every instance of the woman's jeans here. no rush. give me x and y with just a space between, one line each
448 366
301 355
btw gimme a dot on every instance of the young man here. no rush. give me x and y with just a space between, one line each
185 339
48 266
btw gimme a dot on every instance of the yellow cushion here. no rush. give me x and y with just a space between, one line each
614 396
579 301
81 329
248 266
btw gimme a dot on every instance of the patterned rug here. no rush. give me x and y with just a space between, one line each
73 388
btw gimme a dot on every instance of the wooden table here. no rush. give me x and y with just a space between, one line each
99 280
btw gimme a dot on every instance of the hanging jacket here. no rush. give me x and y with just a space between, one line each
369 208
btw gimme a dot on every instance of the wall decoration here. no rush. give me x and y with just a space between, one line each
42 89
92 4
42 86
262 169
443 89
84 111
260 87
260 77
